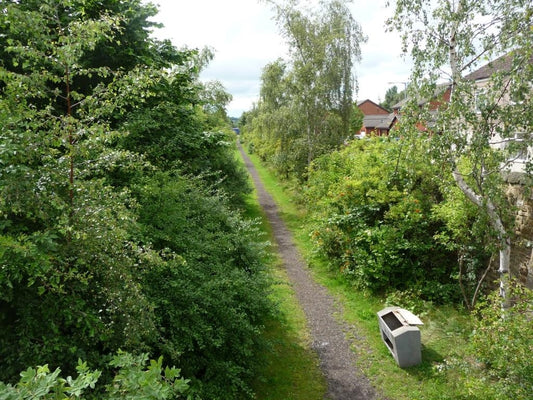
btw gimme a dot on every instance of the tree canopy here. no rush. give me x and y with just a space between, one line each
306 102
480 133
392 96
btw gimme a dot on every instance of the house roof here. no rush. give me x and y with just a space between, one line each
502 63
380 121
400 104
360 103
439 90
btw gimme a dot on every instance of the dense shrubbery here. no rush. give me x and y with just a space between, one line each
210 301
391 221
171 133
106 241
376 221
496 363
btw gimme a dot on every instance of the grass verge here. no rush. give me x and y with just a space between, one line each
444 334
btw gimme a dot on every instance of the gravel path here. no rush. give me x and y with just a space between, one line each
329 335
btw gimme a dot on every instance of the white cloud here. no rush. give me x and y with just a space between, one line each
245 38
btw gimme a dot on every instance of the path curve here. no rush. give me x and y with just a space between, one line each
337 361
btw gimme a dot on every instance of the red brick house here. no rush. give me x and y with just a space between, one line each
376 119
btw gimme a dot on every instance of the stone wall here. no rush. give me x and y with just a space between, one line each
522 250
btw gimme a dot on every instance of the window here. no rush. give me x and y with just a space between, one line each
480 99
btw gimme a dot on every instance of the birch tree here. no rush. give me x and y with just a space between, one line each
323 46
486 127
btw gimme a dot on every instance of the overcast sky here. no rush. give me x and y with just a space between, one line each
245 38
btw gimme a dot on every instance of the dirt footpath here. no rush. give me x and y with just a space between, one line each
337 361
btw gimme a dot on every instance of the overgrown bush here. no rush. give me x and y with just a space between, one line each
69 286
468 234
170 133
373 211
210 294
99 251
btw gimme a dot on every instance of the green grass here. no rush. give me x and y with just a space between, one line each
444 334
290 370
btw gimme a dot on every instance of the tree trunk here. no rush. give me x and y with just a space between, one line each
497 224
309 141
504 271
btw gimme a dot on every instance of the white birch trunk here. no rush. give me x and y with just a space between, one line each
497 224
505 272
